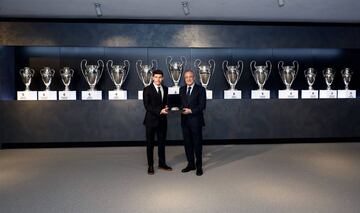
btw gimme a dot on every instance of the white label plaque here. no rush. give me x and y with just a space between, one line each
260 94
209 94
346 93
47 95
328 94
174 90
140 95
288 94
309 94
232 94
67 95
118 95
91 95
27 95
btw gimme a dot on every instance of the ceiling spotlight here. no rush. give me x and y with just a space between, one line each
186 8
98 9
281 3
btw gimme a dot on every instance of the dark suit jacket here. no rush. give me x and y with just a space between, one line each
153 106
196 102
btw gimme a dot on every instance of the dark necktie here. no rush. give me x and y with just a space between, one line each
159 92
188 92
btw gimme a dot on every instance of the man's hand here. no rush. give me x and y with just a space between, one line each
165 111
186 111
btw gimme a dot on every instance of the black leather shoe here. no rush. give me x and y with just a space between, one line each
165 167
151 170
188 169
199 172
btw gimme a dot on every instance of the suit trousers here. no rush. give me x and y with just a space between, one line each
160 133
193 144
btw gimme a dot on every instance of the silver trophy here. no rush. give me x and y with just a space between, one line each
329 74
92 73
205 71
310 75
145 71
346 75
66 74
26 75
232 73
260 73
175 69
46 75
118 73
288 73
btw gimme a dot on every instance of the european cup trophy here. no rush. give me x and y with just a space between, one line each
346 75
329 75
92 74
261 75
205 72
47 75
118 75
288 74
66 74
175 68
310 76
232 75
145 74
26 75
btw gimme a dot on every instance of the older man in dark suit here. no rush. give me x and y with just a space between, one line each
193 102
155 102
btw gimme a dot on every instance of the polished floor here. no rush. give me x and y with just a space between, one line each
237 178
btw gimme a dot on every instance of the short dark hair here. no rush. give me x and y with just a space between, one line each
159 72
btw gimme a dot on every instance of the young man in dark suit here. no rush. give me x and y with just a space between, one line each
155 102
193 102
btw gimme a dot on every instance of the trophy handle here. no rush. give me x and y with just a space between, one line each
225 65
183 61
52 72
280 65
296 66
71 72
240 64
138 68
168 60
197 63
253 68
83 66
127 64
212 67
109 64
154 64
268 64
100 63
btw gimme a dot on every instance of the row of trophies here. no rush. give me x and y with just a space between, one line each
119 72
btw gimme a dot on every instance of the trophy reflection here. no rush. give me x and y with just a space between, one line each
205 72
175 68
118 74
261 75
144 72
232 75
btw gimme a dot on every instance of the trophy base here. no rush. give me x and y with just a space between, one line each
67 95
346 94
232 94
118 95
328 94
91 95
47 95
288 94
209 94
174 90
27 95
260 94
309 94
140 95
